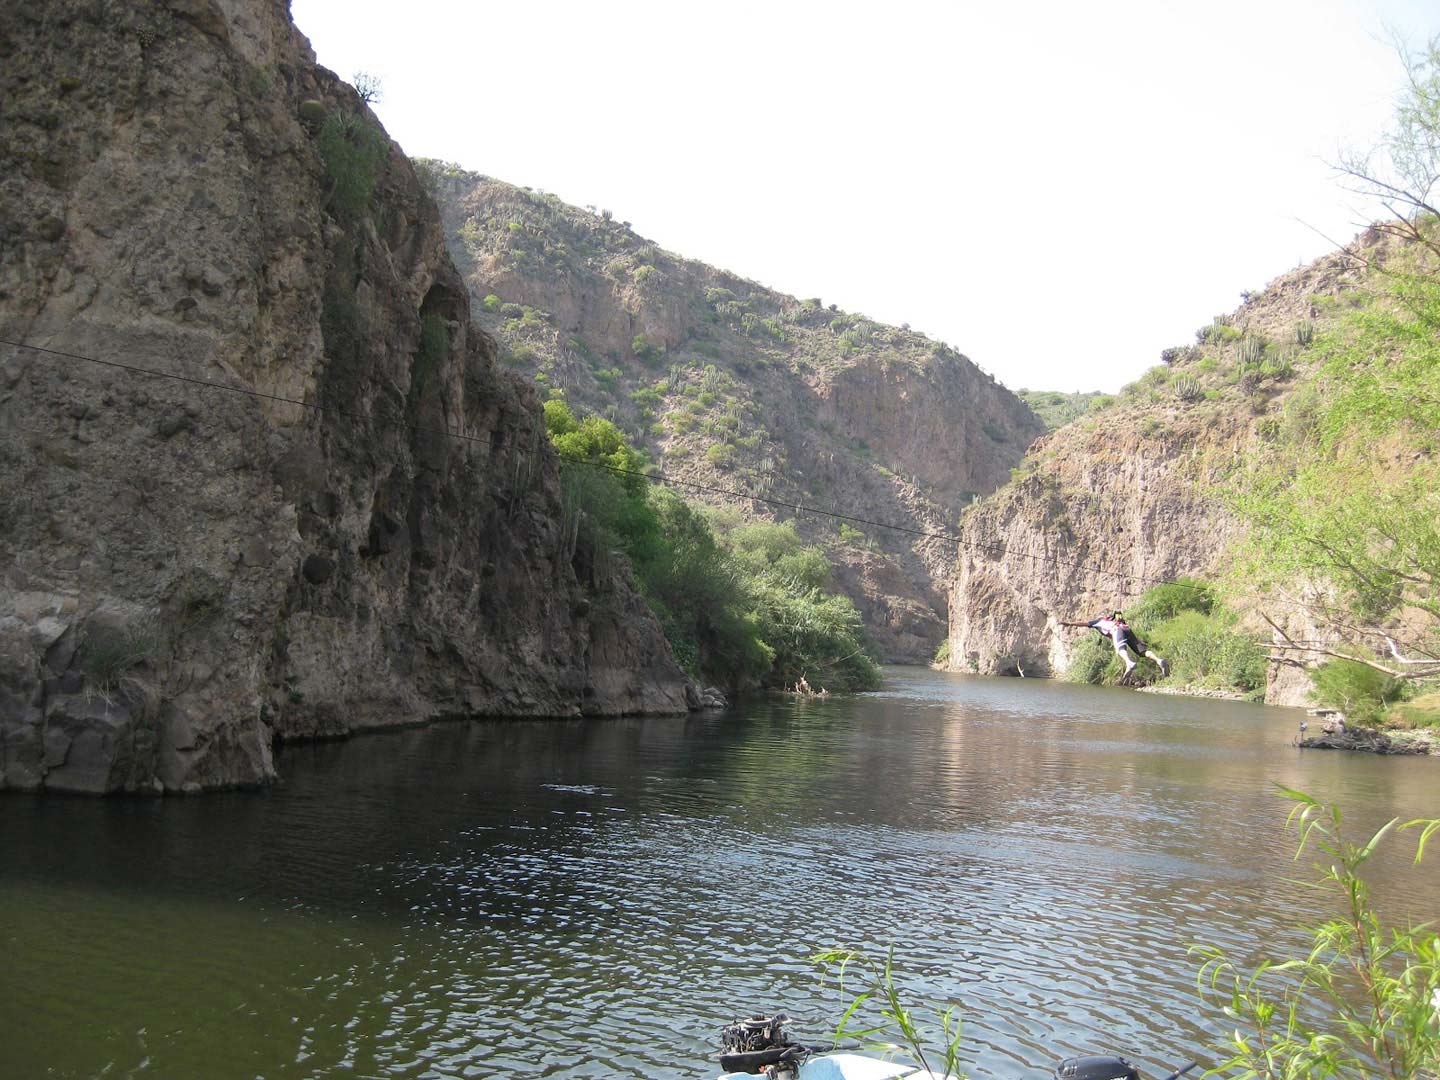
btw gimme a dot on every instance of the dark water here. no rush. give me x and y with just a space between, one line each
594 899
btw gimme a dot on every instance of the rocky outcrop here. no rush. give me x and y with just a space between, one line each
736 387
189 572
1128 497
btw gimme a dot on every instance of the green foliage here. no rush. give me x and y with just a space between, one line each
1423 712
878 1016
646 351
1360 1003
108 655
1160 602
1323 503
1361 692
1251 349
1093 660
353 152
1183 623
491 303
751 610
1206 651
942 655
1304 332
313 112
596 441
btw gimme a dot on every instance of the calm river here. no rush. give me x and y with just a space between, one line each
564 899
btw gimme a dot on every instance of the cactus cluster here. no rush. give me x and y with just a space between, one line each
1187 388
1251 350
1304 332
1280 364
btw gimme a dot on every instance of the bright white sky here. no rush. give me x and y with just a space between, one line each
1059 190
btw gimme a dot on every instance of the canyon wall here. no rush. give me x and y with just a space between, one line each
749 392
188 572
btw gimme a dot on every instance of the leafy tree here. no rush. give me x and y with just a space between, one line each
1361 1003
1351 498
1403 173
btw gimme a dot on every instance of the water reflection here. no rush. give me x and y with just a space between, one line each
594 899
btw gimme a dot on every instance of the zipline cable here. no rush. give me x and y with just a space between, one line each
656 476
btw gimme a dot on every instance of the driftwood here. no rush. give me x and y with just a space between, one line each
1374 742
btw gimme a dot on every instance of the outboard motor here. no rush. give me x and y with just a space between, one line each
1106 1067
1096 1067
761 1043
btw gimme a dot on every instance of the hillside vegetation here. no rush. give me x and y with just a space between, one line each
742 605
1056 409
724 383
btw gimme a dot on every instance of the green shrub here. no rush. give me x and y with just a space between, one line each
491 303
1423 712
1162 602
1093 660
353 152
1206 651
942 655
1251 349
738 622
1359 691
646 351
108 654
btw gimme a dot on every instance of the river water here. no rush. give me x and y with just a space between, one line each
568 899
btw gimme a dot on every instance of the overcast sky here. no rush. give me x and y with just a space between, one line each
1059 190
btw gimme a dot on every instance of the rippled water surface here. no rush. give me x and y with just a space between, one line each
565 899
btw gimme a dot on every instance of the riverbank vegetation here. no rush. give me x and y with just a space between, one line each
742 605
1345 495
1200 637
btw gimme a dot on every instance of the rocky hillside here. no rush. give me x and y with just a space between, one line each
728 384
1128 494
185 573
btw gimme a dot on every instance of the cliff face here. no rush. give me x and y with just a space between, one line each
732 385
187 573
1131 495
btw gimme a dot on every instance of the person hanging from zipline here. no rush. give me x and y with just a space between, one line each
1118 632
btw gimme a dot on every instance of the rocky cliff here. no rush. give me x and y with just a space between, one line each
734 386
1131 494
187 573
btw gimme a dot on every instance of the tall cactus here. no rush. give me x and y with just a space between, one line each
1251 350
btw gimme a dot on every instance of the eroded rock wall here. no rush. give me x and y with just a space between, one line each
188 572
